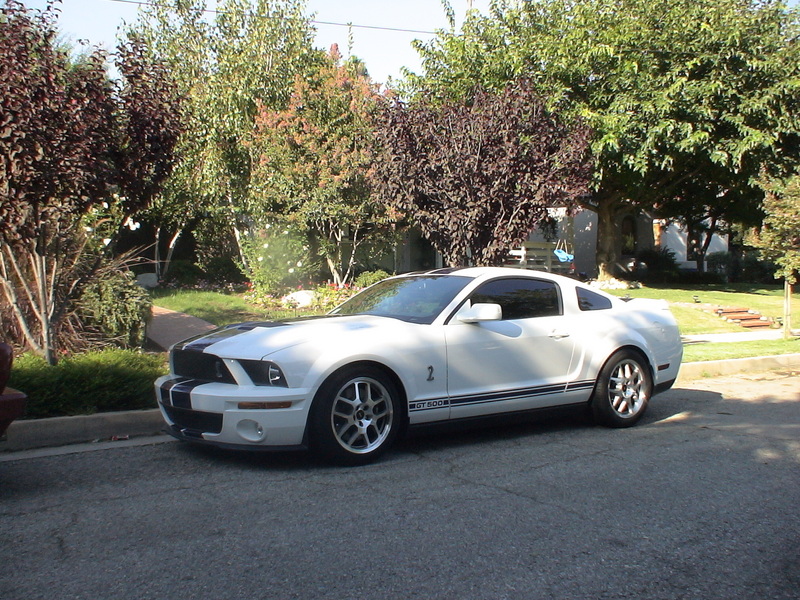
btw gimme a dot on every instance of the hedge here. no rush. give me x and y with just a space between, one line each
99 381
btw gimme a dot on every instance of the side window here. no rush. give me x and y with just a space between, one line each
521 298
589 300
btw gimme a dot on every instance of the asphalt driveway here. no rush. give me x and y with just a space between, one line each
698 501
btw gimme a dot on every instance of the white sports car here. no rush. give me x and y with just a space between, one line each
415 349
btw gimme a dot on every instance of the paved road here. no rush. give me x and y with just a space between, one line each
698 502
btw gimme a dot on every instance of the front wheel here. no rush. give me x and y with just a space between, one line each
355 416
622 391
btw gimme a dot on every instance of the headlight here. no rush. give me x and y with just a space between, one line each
263 372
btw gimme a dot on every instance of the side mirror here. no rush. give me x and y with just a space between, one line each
481 312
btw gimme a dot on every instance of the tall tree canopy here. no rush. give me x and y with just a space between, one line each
477 177
673 89
314 159
779 238
70 141
228 68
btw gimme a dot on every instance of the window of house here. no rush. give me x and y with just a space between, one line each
521 298
628 231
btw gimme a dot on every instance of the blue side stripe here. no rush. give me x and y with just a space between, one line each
581 385
543 390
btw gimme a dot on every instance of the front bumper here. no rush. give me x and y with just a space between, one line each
209 413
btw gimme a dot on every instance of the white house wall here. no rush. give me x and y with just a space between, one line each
675 238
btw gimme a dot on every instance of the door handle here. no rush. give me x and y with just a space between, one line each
558 334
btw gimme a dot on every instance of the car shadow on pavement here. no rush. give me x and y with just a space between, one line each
279 460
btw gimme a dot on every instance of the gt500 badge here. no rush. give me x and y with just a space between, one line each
427 404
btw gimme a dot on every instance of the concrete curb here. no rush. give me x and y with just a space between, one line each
62 431
714 368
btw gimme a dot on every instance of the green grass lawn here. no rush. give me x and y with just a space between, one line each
219 308
768 300
727 350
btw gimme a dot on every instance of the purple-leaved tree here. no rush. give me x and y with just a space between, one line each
477 177
71 142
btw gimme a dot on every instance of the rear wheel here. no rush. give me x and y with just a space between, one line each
356 416
622 391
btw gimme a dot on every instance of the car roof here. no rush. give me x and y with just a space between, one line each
482 272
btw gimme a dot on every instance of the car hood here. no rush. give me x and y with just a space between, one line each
257 340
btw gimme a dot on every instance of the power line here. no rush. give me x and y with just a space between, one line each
353 25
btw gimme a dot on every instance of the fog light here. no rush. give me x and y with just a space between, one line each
250 430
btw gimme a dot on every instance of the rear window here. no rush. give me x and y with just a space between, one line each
589 300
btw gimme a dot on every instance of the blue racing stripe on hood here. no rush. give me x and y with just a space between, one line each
200 342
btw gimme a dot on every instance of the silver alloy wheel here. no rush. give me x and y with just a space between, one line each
362 415
627 388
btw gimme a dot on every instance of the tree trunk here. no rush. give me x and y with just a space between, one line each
787 308
607 255
45 309
702 251
170 251
157 253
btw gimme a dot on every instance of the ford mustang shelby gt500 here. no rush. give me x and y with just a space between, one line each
420 348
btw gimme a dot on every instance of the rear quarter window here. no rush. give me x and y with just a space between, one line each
589 300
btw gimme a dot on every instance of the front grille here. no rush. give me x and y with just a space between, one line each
202 366
196 420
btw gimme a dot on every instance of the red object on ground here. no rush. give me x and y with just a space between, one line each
12 402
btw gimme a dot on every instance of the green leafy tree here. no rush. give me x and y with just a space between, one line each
176 34
71 145
674 90
779 236
477 177
227 67
313 163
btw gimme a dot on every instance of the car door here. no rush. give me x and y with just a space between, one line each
517 363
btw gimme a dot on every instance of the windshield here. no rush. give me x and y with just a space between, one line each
416 299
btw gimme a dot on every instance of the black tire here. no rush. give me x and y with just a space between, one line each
623 390
356 416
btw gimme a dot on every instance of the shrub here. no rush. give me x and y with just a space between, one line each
757 270
367 278
747 268
328 297
223 269
724 264
276 261
698 278
87 383
118 307
658 265
183 273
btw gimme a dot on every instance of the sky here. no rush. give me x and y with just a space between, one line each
384 51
